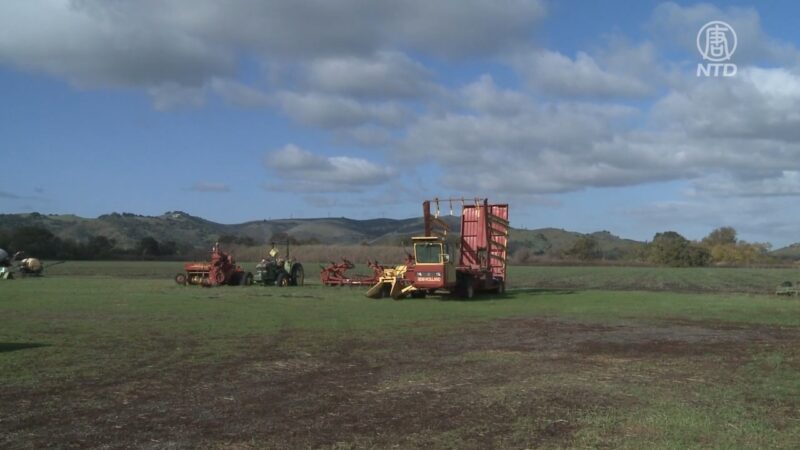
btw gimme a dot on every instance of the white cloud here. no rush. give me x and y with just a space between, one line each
108 44
745 129
368 136
485 96
239 94
303 171
153 42
677 26
334 111
383 75
756 104
555 74
552 147
619 114
783 183
464 27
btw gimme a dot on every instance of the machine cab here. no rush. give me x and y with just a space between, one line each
434 263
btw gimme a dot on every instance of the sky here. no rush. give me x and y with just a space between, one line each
581 115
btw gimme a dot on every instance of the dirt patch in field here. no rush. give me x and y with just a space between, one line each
508 383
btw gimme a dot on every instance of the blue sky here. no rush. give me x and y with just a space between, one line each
583 115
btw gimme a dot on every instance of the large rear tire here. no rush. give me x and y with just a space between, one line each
298 275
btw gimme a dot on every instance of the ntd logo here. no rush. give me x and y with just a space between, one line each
716 42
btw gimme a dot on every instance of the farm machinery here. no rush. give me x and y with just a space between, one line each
21 265
788 288
335 274
476 263
277 271
221 270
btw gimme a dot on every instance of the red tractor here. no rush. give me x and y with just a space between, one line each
221 270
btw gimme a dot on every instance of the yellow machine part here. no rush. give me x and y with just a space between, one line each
394 279
32 265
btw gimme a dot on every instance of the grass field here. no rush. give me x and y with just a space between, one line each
117 355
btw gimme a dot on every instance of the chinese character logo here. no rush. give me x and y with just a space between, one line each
716 41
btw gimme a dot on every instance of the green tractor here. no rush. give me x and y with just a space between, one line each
275 270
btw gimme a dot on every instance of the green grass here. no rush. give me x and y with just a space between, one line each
74 316
604 278
88 323
705 279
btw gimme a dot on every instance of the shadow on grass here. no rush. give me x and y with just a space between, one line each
14 346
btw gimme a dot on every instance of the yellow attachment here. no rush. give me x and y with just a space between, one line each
394 280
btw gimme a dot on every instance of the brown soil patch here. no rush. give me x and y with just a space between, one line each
509 383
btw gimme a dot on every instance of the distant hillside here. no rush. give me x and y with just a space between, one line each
789 252
554 241
184 229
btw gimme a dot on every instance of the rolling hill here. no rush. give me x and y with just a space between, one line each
184 229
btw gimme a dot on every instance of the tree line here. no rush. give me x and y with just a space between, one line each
669 248
42 243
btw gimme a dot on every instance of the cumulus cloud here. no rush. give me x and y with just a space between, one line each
335 111
783 183
540 148
154 42
365 72
583 76
744 130
756 104
677 26
106 43
303 171
239 94
368 136
485 96
383 75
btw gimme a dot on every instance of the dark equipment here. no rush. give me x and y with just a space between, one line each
275 270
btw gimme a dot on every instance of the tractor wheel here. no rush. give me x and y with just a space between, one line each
181 279
298 275
246 279
501 287
465 288
220 277
282 280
